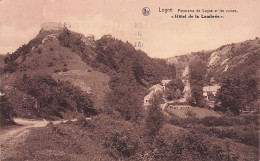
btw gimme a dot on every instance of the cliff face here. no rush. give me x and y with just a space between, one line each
236 58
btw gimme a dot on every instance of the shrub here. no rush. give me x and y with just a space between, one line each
213 121
120 144
182 122
190 113
250 119
50 125
81 121
230 121
50 64
39 51
243 134
55 130
186 146
11 67
176 120
221 121
121 139
64 69
57 71
229 113
54 97
249 137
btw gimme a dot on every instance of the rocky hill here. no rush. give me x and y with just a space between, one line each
238 58
66 59
44 56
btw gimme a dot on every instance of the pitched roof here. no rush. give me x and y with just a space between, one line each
165 81
213 88
154 89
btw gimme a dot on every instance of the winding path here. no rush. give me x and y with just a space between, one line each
9 139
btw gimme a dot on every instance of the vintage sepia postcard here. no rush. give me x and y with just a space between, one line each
153 80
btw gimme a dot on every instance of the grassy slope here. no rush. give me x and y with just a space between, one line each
90 81
62 64
61 59
245 152
72 141
51 60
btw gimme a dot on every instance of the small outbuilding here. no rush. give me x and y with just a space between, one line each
209 91
153 90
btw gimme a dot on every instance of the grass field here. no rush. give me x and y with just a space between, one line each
181 111
89 81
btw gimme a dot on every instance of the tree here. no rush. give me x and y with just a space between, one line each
171 71
11 66
155 118
174 89
175 84
197 74
138 72
124 100
126 97
197 95
234 94
53 97
6 112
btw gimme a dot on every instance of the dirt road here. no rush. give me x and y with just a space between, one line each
13 137
9 139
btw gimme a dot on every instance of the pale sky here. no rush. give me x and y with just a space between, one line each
162 36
